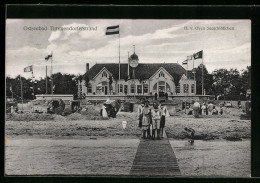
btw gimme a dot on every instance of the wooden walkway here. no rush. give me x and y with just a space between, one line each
155 157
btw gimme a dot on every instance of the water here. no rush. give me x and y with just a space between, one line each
213 158
70 156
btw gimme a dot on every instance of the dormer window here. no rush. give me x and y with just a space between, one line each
161 74
104 74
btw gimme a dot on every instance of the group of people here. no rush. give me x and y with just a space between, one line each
152 118
204 109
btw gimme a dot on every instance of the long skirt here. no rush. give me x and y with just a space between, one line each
162 123
140 121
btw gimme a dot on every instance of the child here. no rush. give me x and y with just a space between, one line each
191 131
156 116
146 112
140 108
203 108
164 112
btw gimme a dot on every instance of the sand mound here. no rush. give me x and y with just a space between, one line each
29 117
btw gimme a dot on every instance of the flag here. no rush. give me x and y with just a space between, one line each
185 62
54 87
47 57
112 30
28 69
189 57
198 55
11 88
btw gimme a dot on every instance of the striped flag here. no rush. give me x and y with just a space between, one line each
112 30
185 62
28 69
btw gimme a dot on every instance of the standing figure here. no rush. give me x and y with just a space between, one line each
203 109
140 109
210 108
166 96
146 112
196 108
155 96
164 112
156 117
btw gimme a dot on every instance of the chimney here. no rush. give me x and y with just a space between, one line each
87 67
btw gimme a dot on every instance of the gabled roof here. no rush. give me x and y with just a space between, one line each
142 71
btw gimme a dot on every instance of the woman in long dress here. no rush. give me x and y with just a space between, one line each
104 111
146 111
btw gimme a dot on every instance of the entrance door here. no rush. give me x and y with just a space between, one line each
104 90
161 91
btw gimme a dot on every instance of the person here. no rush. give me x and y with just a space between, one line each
146 112
140 108
203 109
164 113
104 111
191 132
221 110
214 111
156 117
210 108
196 108
166 96
155 96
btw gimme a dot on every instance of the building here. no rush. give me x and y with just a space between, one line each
145 79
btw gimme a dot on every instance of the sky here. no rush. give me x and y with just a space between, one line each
156 41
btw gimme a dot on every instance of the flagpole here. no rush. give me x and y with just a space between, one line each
194 74
185 89
33 88
119 51
21 91
202 77
51 77
46 80
12 91
128 75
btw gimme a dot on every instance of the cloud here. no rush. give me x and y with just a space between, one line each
156 43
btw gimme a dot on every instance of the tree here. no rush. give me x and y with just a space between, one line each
207 80
227 83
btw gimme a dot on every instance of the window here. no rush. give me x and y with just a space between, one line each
132 88
178 88
125 89
161 83
185 88
121 88
155 88
145 88
161 74
89 88
193 88
139 89
168 88
104 74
